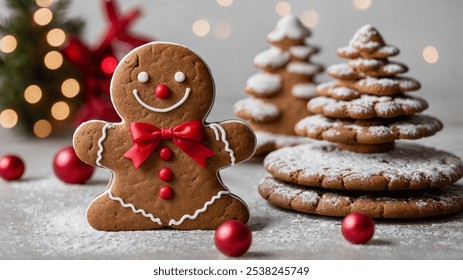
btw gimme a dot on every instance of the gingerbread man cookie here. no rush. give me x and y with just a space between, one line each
163 156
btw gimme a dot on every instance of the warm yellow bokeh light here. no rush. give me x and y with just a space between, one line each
8 44
42 128
60 110
33 94
430 54
70 88
56 37
8 118
53 60
201 28
43 16
225 3
43 3
222 30
361 4
309 18
283 8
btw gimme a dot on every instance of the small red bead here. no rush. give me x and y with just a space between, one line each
162 91
166 174
166 193
165 153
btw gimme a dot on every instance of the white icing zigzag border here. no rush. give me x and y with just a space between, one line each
199 211
134 209
100 143
215 127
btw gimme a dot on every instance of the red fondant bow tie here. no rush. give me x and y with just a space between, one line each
187 136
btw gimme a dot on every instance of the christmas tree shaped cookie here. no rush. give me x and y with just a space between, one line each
363 112
280 92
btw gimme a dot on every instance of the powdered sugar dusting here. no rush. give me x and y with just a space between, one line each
388 50
380 106
340 69
288 26
412 127
365 62
437 168
264 83
273 57
279 140
364 38
302 68
302 52
258 109
304 91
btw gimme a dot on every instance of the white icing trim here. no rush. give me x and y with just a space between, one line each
215 127
164 110
135 210
199 211
100 143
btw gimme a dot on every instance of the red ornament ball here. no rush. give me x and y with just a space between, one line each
233 238
357 228
165 153
162 91
69 168
11 167
166 193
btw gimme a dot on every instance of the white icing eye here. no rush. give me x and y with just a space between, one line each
179 77
143 77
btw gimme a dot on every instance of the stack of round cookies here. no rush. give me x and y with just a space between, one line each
363 112
279 93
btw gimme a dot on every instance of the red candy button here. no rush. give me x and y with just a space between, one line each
166 174
165 153
166 193
162 91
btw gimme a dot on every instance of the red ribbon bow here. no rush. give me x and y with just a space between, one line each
187 136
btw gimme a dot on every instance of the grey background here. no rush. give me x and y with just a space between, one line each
43 218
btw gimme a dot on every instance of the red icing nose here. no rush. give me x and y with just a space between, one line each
162 91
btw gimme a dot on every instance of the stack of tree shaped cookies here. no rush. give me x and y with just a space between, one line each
364 111
280 93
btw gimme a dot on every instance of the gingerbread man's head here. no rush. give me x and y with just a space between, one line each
162 84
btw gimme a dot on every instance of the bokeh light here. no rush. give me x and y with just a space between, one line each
310 18
53 60
361 4
56 37
430 54
201 27
283 8
109 64
8 44
42 128
225 3
33 94
222 30
8 118
43 16
60 110
70 88
43 3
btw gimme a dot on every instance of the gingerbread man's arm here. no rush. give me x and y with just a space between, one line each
232 141
86 141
